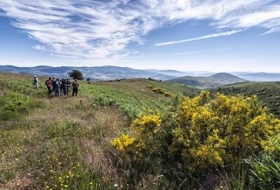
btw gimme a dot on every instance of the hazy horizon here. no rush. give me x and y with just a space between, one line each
190 72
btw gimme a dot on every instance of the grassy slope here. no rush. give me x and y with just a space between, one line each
60 142
268 93
134 95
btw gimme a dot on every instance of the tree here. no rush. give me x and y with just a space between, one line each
76 74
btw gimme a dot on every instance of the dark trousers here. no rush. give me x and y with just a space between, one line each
49 91
74 91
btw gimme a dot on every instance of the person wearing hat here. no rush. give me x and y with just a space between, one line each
75 86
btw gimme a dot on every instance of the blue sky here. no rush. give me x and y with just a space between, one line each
186 35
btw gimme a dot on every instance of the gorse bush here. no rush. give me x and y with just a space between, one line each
158 90
203 134
221 130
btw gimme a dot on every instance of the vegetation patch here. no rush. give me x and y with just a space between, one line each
123 135
201 136
160 91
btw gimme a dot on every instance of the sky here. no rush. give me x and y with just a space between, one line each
184 35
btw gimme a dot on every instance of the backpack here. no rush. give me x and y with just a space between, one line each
56 84
46 83
35 80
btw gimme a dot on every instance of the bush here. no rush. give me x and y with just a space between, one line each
204 134
13 105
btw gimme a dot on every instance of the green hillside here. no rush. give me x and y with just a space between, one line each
132 95
60 142
208 81
98 141
268 93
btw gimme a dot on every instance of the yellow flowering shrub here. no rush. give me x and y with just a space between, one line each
221 129
144 129
205 131
146 124
123 143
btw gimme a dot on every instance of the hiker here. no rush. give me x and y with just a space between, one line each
49 84
35 82
67 86
62 86
75 86
56 87
53 84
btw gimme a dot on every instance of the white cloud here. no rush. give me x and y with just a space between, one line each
228 33
272 30
247 18
197 52
93 29
39 47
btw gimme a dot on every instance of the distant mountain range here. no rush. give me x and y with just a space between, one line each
114 72
95 73
215 80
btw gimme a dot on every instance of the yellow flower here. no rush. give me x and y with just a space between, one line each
123 142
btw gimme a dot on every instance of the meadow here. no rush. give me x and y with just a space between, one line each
60 142
134 134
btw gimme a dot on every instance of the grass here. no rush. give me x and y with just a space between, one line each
41 148
132 96
61 142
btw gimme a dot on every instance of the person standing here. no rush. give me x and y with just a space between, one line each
67 85
57 87
75 86
35 82
49 84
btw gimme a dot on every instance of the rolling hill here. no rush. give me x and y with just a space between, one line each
215 80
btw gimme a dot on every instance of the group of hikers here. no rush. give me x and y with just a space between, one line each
60 86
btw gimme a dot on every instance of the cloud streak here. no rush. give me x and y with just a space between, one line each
95 30
228 33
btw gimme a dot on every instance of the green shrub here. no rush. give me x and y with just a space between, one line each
13 105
